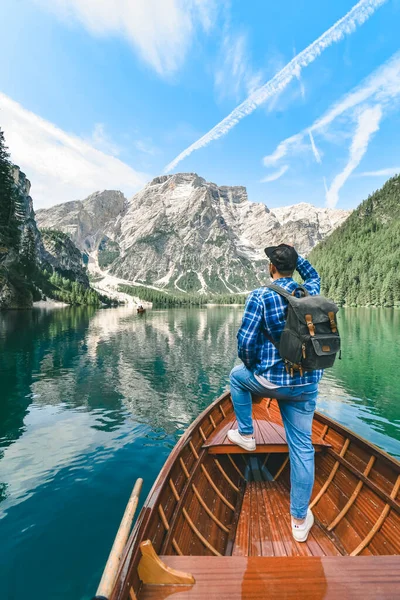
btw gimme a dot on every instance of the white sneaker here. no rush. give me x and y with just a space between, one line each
300 532
245 443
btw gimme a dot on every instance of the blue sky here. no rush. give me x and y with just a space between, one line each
101 94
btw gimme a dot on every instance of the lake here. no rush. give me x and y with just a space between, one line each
91 400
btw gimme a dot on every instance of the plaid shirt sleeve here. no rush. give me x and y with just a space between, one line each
312 281
248 334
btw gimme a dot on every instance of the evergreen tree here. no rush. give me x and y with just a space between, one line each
159 298
28 252
10 204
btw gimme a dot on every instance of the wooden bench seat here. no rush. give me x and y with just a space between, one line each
269 433
301 578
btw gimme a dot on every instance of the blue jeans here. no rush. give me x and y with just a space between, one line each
297 406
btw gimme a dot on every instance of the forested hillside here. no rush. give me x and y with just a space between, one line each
360 261
160 298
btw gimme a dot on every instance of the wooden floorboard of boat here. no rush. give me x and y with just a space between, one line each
264 527
301 578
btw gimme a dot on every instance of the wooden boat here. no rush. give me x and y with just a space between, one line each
216 523
141 309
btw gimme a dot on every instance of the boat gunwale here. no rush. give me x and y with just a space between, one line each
354 437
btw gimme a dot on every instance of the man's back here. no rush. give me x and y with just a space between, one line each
264 318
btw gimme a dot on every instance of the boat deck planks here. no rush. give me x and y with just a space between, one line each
258 496
301 578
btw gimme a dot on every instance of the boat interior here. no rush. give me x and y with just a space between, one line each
218 500
237 503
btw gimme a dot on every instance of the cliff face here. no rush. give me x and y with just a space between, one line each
49 248
87 222
61 253
14 292
181 232
29 222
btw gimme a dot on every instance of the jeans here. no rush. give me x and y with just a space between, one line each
297 406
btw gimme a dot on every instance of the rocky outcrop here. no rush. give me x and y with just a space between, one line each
29 222
62 254
184 233
88 221
14 290
51 250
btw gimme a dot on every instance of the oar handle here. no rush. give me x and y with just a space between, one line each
110 571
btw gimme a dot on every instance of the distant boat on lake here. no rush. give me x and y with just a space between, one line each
216 522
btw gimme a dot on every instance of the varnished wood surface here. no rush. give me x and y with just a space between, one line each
203 509
154 571
264 527
258 578
269 434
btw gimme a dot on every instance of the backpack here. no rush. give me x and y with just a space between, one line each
310 339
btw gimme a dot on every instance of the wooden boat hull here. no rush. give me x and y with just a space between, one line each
216 511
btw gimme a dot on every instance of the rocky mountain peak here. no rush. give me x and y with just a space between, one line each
184 233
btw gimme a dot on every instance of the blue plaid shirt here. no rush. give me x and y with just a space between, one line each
266 311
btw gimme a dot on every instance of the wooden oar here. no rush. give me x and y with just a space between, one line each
110 572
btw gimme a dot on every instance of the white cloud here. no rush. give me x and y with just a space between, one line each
382 86
390 172
234 73
345 26
282 149
315 150
160 30
102 141
276 175
60 166
145 146
368 124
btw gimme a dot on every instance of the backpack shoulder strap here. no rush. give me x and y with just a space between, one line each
282 292
279 290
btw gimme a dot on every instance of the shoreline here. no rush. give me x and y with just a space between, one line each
49 304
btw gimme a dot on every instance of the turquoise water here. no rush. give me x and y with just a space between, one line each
91 400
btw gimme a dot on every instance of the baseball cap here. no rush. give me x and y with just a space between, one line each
284 257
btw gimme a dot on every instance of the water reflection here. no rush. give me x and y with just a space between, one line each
76 380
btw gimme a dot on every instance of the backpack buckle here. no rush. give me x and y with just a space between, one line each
332 322
310 324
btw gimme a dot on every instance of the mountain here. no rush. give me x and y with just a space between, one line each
183 233
360 261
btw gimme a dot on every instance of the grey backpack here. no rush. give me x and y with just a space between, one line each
310 339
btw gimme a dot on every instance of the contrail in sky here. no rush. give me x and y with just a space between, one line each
382 87
346 25
368 124
314 147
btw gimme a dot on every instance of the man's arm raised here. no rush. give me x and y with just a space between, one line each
312 281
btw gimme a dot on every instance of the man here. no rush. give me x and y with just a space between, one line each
263 373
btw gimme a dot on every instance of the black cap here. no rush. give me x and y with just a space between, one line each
284 257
